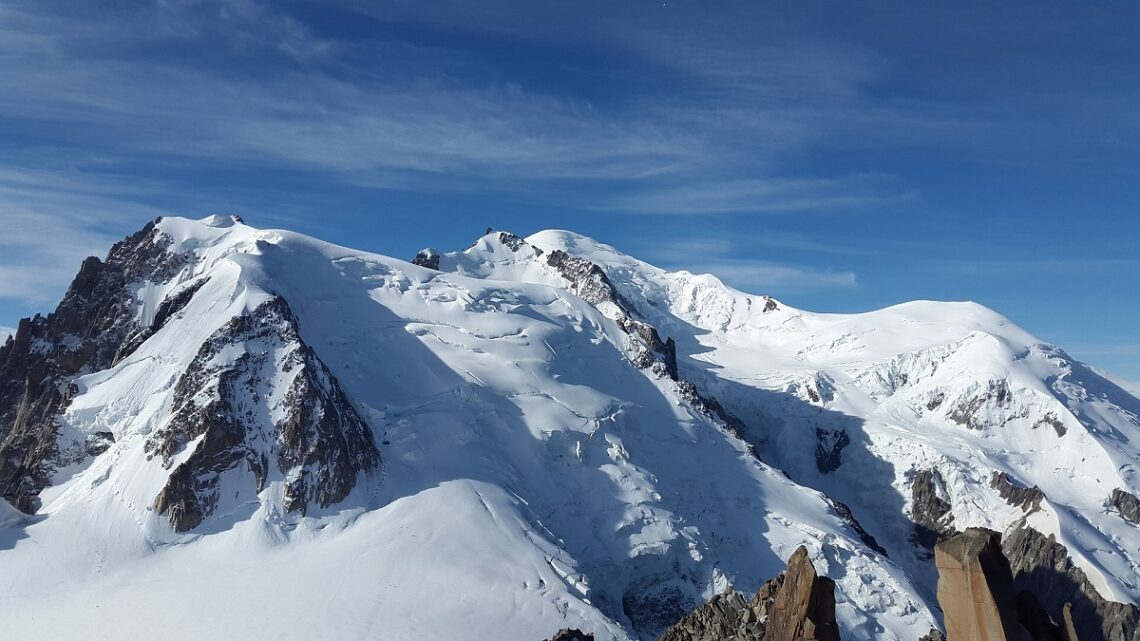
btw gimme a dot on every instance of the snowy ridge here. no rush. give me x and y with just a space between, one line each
916 374
543 467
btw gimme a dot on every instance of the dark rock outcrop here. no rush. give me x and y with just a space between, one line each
571 634
728 616
587 280
966 412
845 513
98 442
319 445
427 258
1042 565
1037 623
86 333
1050 419
658 351
1027 498
929 511
797 605
829 446
1126 505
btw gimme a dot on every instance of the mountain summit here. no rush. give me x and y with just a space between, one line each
223 431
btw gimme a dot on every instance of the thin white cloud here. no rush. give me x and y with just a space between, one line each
51 221
759 276
5 332
414 111
766 196
719 256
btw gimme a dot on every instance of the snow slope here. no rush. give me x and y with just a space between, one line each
924 385
537 474
533 477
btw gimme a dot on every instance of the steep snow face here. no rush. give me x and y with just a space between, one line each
497 450
851 404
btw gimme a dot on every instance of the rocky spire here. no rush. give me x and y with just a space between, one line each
975 588
979 600
796 605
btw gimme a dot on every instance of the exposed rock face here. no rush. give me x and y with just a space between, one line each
1050 419
571 634
1027 498
975 588
1042 566
427 258
728 616
586 279
98 442
969 412
1036 621
829 447
664 352
797 605
91 329
845 513
1040 597
1126 505
805 605
275 401
929 510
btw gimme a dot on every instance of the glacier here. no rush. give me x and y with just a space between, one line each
564 436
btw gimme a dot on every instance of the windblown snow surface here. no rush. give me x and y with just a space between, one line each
535 479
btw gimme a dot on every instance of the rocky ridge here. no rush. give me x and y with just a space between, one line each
1043 567
796 605
255 396
93 327
273 406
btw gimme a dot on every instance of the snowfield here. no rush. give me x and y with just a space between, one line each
534 478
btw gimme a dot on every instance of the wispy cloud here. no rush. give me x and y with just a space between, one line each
761 276
766 195
52 220
384 127
414 112
720 256
5 332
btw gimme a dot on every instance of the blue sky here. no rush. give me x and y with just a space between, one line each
840 156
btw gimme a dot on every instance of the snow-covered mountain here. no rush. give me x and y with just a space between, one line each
224 431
